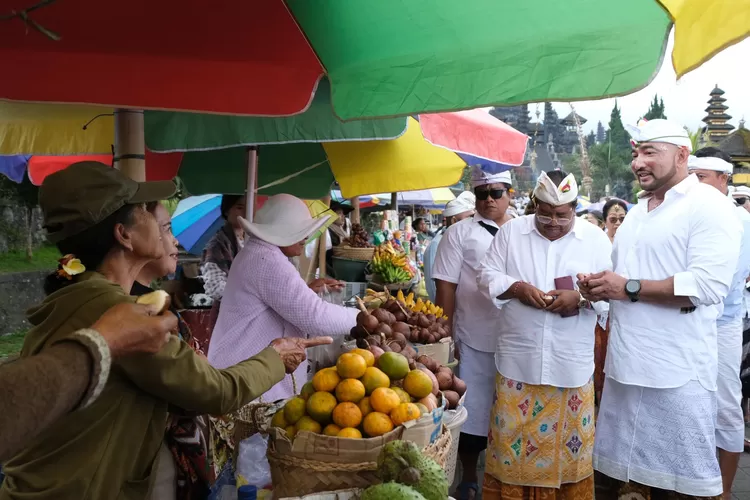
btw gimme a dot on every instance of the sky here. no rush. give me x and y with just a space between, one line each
684 100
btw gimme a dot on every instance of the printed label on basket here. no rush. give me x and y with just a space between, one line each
426 429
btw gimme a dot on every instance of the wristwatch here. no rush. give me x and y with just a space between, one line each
633 290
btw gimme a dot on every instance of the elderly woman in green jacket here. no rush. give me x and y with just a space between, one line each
97 218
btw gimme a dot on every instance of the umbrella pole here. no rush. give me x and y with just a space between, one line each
130 144
252 182
322 247
355 213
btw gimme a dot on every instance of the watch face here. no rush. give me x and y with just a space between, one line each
632 286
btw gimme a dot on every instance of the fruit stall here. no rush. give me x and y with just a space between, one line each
383 419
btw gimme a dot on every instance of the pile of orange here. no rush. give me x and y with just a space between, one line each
353 399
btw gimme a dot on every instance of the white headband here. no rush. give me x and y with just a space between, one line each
710 163
660 130
481 178
548 192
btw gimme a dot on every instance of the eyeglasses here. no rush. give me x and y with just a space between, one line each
483 194
613 220
561 221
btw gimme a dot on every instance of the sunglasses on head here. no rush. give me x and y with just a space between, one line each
483 194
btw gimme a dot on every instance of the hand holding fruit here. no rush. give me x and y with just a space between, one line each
565 301
131 328
292 349
530 295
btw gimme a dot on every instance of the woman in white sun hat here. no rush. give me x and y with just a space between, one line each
266 298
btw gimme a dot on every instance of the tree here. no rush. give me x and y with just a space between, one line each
616 135
590 139
656 109
25 195
601 135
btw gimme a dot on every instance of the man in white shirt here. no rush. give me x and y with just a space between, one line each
713 167
674 257
474 317
455 211
542 423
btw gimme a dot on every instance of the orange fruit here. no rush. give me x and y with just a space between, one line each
347 415
351 365
332 430
402 394
418 384
278 419
307 390
350 390
369 357
320 406
384 400
404 412
350 432
326 380
294 409
364 406
308 424
291 431
377 424
374 378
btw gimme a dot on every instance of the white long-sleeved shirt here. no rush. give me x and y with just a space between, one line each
694 235
536 346
459 254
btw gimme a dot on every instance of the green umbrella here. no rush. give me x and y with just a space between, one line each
391 57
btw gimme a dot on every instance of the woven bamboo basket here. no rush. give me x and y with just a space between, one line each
353 253
296 477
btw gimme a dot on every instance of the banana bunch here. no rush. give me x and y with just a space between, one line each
408 300
427 308
391 264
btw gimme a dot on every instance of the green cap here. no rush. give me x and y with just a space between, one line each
84 194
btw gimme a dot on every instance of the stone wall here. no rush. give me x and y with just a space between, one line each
18 292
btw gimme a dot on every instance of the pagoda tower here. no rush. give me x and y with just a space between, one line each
716 120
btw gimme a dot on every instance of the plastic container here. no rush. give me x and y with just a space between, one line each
247 492
349 270
454 423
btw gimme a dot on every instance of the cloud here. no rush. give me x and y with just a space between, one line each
685 101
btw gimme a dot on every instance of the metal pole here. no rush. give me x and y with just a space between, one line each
252 181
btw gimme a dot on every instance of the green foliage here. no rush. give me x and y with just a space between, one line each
10 345
45 258
616 135
610 166
656 109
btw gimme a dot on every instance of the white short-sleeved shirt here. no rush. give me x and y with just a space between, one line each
459 255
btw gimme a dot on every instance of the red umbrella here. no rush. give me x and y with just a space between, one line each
219 57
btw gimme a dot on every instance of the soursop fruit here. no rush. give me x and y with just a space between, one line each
391 491
403 462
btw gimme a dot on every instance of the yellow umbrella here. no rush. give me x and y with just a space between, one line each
54 129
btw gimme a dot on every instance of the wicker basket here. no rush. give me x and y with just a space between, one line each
296 477
253 418
353 253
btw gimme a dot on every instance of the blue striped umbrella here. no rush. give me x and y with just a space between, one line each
196 220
